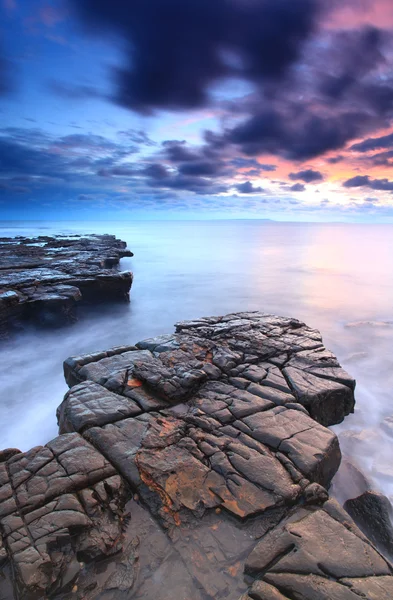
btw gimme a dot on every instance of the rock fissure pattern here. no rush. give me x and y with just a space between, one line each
193 465
42 279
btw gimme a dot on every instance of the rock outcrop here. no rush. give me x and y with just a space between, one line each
193 465
43 279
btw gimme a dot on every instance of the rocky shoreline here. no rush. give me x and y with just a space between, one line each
43 279
192 466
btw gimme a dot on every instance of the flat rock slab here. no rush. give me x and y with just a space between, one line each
43 278
216 435
264 361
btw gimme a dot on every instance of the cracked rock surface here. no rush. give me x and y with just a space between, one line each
42 279
192 466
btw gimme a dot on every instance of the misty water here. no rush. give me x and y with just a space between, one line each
336 277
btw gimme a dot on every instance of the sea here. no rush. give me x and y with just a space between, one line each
336 277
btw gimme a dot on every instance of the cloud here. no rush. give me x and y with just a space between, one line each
266 167
357 181
197 185
200 168
385 141
333 160
251 163
308 176
366 181
137 136
248 188
301 117
177 50
297 187
358 52
177 151
156 171
311 135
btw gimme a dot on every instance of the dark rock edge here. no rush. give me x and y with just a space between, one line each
43 279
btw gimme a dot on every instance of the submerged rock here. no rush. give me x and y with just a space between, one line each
42 279
216 436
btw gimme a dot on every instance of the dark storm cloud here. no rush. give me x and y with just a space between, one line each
370 144
309 136
300 118
156 171
297 187
248 188
357 181
381 158
266 167
333 160
357 53
177 151
366 181
204 168
177 181
178 49
308 176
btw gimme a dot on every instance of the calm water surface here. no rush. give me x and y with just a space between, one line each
336 277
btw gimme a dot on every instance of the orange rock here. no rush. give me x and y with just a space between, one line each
133 383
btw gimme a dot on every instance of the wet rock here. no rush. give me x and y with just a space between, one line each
8 453
296 560
288 364
58 503
225 457
43 279
372 513
88 405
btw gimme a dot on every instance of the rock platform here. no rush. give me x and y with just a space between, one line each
192 466
43 279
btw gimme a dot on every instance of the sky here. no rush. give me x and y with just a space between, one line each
196 109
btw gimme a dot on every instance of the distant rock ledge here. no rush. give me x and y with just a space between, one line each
42 279
193 465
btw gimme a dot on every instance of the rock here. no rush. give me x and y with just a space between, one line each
8 453
219 457
87 404
174 367
296 560
372 513
58 503
43 279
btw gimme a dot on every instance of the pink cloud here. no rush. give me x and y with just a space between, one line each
363 12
